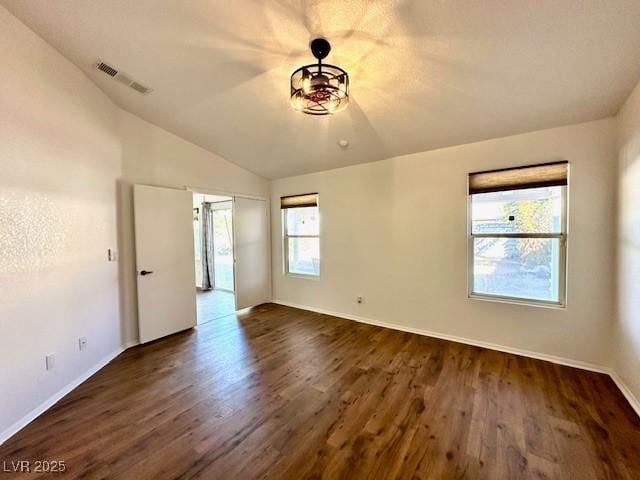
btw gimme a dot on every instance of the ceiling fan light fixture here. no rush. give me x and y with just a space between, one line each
319 88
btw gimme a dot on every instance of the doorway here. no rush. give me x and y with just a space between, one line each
177 288
214 256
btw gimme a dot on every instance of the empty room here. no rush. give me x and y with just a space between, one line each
320 239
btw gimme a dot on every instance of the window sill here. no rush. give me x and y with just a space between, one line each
518 301
303 276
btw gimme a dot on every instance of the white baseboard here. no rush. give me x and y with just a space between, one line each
633 401
468 341
626 391
49 402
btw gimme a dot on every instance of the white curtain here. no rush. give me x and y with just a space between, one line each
206 227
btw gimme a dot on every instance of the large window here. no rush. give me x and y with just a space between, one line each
301 227
518 235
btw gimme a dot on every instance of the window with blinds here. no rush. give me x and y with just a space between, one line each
518 233
301 234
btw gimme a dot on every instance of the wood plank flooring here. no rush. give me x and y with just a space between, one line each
280 393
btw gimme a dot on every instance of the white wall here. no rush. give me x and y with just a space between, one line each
68 158
395 231
153 156
627 342
59 161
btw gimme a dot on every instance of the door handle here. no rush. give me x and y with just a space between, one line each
146 272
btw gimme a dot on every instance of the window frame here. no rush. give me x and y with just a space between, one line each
562 237
285 246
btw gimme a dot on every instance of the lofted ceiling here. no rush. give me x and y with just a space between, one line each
424 74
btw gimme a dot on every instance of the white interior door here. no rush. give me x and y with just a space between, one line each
165 261
251 252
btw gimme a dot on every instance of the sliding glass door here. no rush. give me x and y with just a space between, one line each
223 245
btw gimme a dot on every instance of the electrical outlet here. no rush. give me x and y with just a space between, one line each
111 255
82 343
50 361
359 299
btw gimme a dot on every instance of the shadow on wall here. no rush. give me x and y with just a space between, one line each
626 349
127 264
629 254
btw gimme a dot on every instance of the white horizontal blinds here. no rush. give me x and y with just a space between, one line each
296 201
533 176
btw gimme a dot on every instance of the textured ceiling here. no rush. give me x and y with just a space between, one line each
424 74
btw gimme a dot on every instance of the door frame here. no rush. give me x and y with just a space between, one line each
194 189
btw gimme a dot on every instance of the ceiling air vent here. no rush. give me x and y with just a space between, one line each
122 77
108 69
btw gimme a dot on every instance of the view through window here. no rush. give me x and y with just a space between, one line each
223 246
517 244
302 240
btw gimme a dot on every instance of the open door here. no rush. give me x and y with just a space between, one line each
251 252
165 261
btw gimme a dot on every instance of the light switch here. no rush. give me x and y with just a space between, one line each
50 361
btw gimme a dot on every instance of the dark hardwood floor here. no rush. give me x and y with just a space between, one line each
280 393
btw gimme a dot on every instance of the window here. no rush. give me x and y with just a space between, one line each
518 234
301 226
